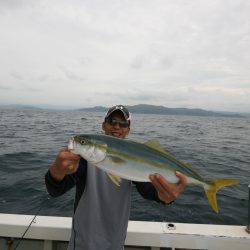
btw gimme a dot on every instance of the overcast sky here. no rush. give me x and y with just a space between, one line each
78 53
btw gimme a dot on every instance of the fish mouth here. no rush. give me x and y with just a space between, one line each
71 144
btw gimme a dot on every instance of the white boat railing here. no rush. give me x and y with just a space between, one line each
156 235
248 219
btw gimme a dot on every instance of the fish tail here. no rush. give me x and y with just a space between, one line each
212 188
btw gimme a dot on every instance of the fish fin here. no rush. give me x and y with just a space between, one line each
99 154
116 159
213 187
116 179
155 145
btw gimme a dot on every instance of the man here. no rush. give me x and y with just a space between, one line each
101 209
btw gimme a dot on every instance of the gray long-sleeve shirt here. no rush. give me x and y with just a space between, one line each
101 209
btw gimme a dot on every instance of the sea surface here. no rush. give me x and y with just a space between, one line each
216 147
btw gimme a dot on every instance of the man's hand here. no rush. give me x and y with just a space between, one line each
65 163
167 192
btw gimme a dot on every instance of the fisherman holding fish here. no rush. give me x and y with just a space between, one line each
102 208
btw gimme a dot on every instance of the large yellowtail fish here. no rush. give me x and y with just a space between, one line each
122 158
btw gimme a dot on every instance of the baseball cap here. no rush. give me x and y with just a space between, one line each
121 108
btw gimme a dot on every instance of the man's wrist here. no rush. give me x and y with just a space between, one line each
169 203
165 202
56 174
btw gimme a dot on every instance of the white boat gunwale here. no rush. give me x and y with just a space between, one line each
139 233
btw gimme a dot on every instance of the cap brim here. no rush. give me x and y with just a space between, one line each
126 114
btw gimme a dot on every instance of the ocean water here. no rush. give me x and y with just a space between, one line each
216 147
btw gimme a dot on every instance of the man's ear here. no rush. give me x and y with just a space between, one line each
128 131
103 126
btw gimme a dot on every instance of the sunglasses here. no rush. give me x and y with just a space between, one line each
113 122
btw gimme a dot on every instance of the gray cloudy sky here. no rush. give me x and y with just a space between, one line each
79 53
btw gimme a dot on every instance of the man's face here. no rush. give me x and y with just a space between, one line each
116 130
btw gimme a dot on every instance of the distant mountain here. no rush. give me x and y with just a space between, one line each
152 109
18 106
139 109
37 106
94 109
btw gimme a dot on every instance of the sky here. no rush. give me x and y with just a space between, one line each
175 53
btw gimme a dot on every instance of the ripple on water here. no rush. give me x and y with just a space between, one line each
215 147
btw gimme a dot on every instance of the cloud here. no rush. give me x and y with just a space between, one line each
172 53
17 76
3 87
73 76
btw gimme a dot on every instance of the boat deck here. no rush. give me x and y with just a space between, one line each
53 233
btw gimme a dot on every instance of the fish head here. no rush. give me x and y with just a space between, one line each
91 149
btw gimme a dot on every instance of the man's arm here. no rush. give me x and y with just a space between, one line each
61 174
147 191
168 192
56 188
160 189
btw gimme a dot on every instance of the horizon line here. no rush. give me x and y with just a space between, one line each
67 107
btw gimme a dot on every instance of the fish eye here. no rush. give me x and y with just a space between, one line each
82 142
